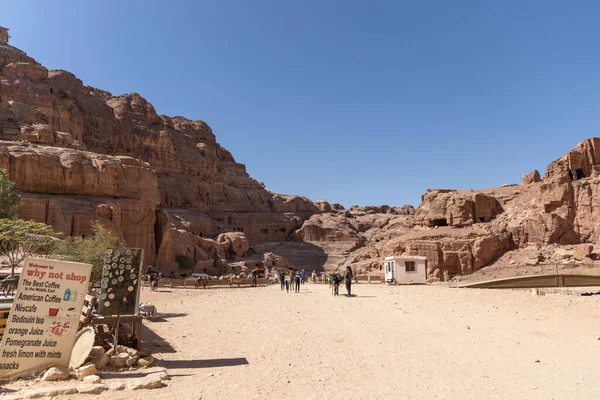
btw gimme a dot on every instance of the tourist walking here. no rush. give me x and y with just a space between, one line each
297 279
302 276
314 276
348 278
282 280
288 282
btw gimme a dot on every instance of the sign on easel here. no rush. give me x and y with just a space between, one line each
44 317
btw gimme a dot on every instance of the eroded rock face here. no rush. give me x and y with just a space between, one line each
532 177
581 162
441 207
78 153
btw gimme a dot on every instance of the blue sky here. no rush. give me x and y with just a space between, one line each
356 102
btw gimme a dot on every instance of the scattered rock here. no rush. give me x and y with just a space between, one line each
152 381
85 370
100 361
116 385
132 352
582 251
97 350
49 392
119 361
562 254
92 379
532 177
146 361
92 388
56 374
132 361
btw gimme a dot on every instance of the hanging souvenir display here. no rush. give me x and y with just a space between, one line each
120 282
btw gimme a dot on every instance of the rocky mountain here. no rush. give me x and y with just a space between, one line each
79 154
554 220
164 184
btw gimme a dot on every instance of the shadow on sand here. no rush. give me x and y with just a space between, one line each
219 362
155 342
163 317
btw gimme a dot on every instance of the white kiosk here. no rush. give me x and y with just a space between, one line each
406 269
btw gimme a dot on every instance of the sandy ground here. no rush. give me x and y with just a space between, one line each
417 342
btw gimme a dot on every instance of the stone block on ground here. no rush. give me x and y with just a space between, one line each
151 381
116 385
92 388
97 350
100 361
85 370
92 379
56 374
119 361
583 250
49 392
146 361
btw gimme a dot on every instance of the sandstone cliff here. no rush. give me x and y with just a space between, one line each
163 183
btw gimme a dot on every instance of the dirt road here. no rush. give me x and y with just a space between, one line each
418 342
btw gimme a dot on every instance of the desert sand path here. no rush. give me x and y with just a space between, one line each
419 342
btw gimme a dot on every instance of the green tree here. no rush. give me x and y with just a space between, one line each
20 239
89 250
9 199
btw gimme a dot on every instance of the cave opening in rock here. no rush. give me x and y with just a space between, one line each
481 219
571 175
439 222
580 174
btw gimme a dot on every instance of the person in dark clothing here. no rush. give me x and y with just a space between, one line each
302 276
297 281
348 278
254 276
282 280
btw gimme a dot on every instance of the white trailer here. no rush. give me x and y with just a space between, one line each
405 269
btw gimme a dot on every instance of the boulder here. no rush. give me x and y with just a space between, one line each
96 350
118 361
234 243
92 379
562 254
85 370
582 251
532 177
116 385
100 361
56 374
151 381
49 392
146 361
92 388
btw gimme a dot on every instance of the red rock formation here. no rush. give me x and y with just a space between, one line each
139 163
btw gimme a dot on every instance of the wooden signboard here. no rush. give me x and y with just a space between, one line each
120 284
45 314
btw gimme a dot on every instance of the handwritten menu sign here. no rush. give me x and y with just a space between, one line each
44 317
120 282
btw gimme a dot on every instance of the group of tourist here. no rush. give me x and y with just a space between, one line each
294 279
